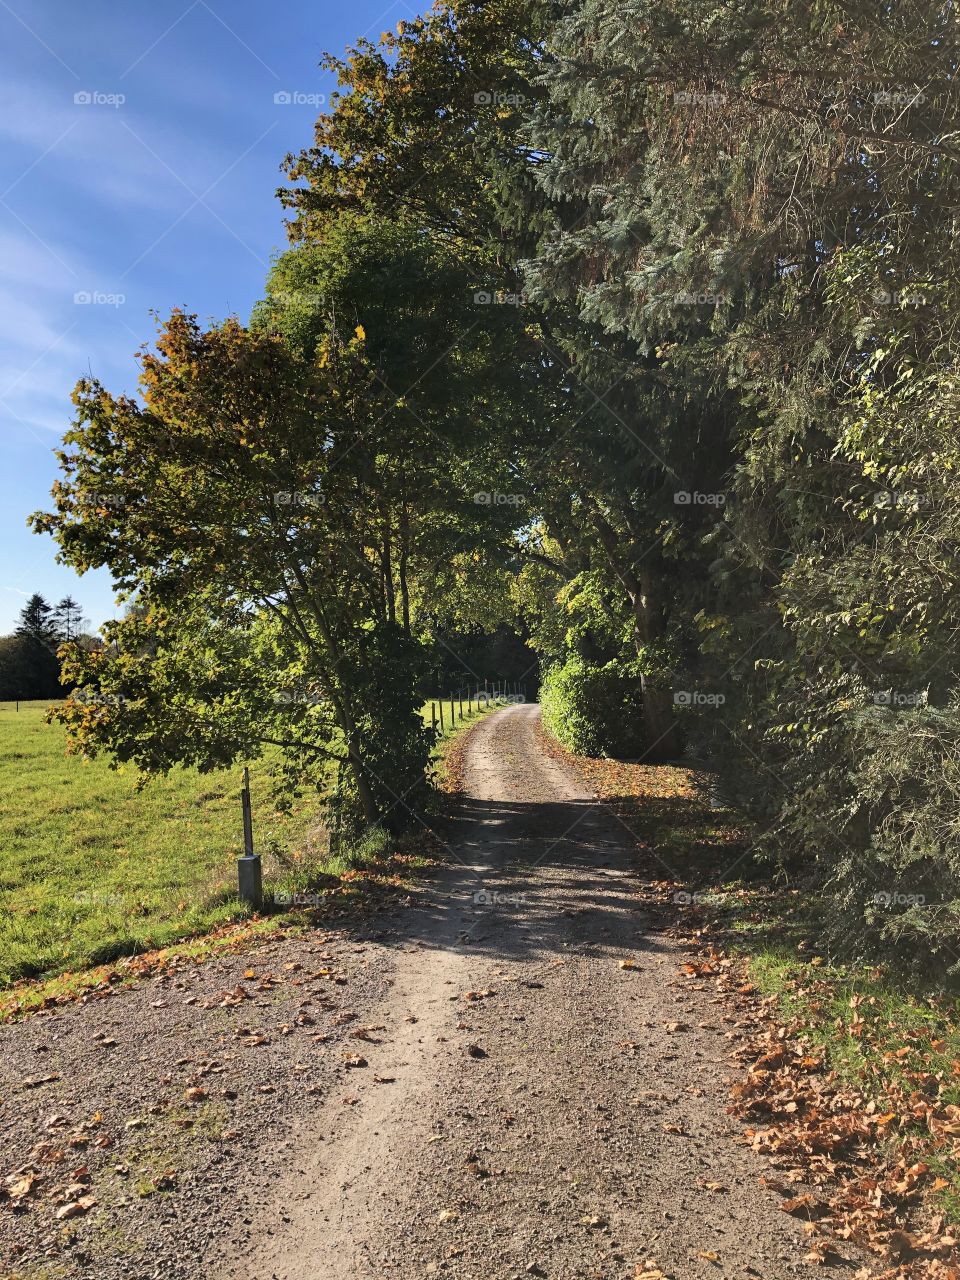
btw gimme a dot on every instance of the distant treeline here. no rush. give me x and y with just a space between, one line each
29 666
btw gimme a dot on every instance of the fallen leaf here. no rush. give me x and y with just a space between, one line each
649 1270
19 1188
805 1206
76 1207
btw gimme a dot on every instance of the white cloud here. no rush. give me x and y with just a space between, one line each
118 157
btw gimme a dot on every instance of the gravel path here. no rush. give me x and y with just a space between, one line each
506 1078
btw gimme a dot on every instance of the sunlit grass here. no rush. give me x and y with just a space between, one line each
92 869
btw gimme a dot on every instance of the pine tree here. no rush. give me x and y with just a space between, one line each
33 663
68 620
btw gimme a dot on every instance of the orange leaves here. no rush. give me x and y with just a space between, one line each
18 1187
844 1179
805 1206
76 1208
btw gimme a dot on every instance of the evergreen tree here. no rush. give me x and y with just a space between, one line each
761 199
68 620
32 666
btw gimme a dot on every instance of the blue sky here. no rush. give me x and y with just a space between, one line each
140 148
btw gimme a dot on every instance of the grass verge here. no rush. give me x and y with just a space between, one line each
93 871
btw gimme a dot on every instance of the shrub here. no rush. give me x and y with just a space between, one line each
593 710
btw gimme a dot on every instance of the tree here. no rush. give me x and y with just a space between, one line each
427 126
433 121
277 506
13 677
761 199
68 620
30 665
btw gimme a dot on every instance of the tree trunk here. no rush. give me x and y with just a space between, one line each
402 568
387 565
644 590
368 803
660 729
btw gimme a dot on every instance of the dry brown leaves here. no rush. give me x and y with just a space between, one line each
840 1173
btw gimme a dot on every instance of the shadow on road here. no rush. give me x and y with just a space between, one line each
534 880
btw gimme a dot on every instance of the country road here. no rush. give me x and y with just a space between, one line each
504 1076
553 1102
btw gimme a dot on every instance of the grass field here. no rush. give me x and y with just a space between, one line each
91 869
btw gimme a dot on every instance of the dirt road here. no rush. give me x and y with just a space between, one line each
536 1094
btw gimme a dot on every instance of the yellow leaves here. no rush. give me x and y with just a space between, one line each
360 332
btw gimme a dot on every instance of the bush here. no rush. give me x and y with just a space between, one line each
595 711
858 802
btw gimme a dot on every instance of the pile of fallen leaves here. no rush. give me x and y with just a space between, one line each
452 765
852 1167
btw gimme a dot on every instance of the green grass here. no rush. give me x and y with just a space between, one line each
891 1042
91 869
452 728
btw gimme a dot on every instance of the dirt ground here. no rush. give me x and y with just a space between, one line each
504 1078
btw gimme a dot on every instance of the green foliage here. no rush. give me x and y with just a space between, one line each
385 681
593 710
754 209
28 659
427 127
277 509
